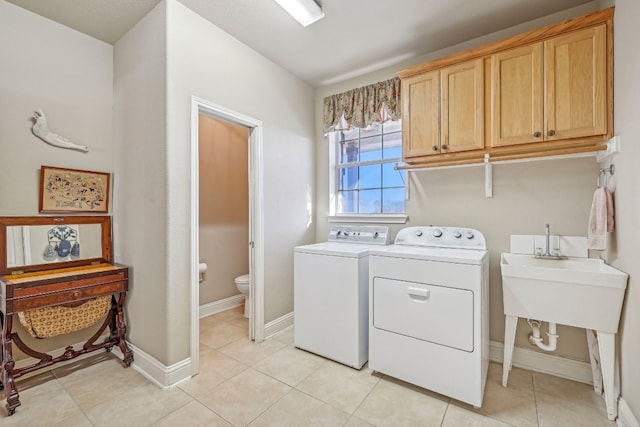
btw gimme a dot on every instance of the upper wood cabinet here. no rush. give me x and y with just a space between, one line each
552 90
575 84
462 107
517 96
443 110
541 93
421 115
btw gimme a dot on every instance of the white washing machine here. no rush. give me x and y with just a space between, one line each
429 310
331 293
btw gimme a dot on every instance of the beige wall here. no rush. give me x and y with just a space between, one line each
69 76
140 192
526 195
168 57
206 62
224 206
625 243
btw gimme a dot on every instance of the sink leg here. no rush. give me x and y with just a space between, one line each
607 344
510 326
594 358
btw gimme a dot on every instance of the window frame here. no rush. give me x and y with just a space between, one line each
334 180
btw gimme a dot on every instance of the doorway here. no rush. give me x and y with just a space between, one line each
223 196
255 241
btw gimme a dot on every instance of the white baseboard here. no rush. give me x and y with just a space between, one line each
532 360
626 418
278 325
221 305
163 376
147 366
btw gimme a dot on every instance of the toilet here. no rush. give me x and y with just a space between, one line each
242 283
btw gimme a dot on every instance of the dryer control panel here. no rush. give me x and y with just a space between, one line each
369 234
441 237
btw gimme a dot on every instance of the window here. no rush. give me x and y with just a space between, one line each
365 180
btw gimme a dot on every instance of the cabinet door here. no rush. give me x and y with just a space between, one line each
421 115
462 107
516 96
575 84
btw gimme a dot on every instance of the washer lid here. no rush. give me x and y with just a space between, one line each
349 250
425 253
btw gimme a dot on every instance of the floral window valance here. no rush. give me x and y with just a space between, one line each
363 106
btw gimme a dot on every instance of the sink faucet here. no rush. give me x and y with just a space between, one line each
547 254
546 233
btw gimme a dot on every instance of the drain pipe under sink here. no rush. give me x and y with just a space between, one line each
535 338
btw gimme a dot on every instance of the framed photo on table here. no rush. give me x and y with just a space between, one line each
73 190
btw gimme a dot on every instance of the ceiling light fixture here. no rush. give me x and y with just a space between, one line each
306 12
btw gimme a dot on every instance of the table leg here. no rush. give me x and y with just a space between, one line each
607 345
119 328
510 326
6 374
2 352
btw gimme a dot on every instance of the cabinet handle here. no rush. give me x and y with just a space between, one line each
434 148
551 132
537 134
75 295
444 146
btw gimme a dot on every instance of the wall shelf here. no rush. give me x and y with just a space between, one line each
488 164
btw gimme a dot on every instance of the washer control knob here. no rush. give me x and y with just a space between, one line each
468 235
437 232
457 234
419 233
346 233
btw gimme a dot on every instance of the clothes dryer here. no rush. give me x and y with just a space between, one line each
429 310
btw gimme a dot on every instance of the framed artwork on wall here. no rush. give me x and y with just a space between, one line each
73 190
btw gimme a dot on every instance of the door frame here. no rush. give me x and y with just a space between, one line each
256 220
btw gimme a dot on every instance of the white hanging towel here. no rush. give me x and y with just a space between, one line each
600 219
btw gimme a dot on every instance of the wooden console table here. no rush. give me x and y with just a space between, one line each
55 287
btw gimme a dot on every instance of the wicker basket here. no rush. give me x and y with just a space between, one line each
49 322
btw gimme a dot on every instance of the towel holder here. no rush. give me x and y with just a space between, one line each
610 170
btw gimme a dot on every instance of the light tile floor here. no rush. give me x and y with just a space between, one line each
274 384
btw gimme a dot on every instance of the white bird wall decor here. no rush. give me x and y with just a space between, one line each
42 131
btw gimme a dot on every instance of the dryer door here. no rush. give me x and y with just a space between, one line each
437 314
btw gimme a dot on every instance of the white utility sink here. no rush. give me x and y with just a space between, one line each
581 292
